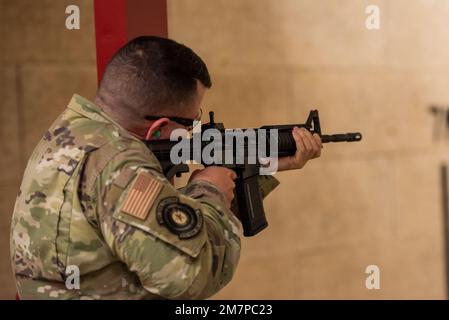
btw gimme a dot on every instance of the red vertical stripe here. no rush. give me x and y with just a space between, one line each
146 18
117 21
110 30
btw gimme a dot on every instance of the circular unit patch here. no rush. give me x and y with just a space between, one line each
179 218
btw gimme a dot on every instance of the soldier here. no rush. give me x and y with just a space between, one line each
93 197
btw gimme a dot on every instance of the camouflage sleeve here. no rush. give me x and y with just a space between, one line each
180 245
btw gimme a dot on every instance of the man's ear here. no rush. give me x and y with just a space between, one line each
155 127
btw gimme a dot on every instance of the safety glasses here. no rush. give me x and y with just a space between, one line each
188 123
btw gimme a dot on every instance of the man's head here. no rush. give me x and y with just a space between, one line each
151 77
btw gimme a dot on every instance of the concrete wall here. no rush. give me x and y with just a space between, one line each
376 202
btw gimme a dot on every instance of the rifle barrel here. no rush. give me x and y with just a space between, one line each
286 143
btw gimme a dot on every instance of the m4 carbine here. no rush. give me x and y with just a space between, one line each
248 194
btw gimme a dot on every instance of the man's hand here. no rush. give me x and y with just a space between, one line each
308 147
222 178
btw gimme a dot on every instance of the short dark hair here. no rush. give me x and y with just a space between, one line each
151 75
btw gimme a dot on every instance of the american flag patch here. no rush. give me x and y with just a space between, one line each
142 196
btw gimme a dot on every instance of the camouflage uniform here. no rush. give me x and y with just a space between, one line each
79 205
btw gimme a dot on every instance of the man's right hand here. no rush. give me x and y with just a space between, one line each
222 178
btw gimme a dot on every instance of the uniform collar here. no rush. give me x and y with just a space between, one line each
90 110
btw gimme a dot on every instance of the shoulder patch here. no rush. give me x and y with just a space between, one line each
179 218
167 215
141 196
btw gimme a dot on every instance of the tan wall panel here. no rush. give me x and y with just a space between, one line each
331 272
257 278
417 34
35 30
248 100
9 121
47 89
328 204
418 205
338 272
290 32
414 268
390 109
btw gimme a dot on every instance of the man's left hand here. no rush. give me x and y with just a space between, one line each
308 147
